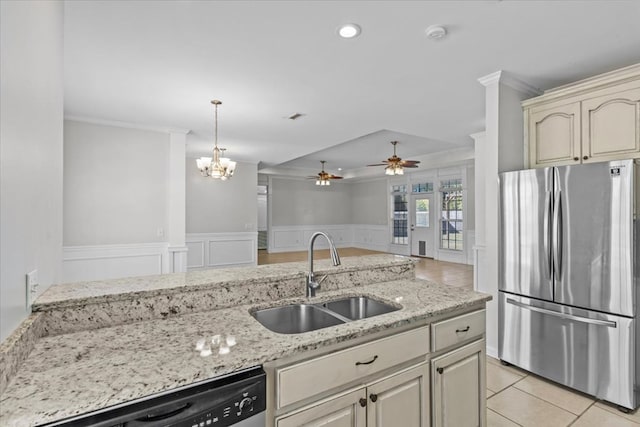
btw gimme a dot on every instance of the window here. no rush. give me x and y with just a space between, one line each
425 187
452 203
400 214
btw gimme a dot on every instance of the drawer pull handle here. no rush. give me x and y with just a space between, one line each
440 370
363 402
463 329
369 362
373 397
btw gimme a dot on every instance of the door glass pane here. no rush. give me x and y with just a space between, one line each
400 217
451 221
422 213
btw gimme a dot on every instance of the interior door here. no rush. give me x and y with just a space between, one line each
422 225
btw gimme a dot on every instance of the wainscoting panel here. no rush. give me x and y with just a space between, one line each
231 252
85 263
195 255
296 238
211 250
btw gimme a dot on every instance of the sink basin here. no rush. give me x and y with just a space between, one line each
356 308
296 318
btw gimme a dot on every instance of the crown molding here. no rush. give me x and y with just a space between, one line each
127 125
507 79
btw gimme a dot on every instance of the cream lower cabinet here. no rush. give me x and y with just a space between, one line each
401 399
458 387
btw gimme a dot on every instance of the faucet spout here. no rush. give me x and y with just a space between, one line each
312 284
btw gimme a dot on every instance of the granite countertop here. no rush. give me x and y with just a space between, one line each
78 372
71 294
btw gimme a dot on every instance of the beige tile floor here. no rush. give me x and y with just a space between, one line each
514 397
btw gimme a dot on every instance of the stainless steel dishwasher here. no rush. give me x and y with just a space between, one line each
237 399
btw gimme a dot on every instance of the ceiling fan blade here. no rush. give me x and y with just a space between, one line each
409 162
334 177
379 164
410 166
313 177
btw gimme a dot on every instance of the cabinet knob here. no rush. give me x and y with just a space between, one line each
585 157
440 370
373 397
363 402
575 159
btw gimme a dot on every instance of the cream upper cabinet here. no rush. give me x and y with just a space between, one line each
459 387
554 135
594 120
611 126
401 400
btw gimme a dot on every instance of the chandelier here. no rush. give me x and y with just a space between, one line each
218 167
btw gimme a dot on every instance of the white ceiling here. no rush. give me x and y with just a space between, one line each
161 62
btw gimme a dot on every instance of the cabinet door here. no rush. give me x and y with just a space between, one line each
400 400
554 135
344 410
459 387
611 126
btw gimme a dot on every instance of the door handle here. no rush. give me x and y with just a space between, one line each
557 234
547 232
607 323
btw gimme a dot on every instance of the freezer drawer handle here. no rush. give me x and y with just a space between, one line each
607 323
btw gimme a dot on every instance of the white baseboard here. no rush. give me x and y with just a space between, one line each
85 263
210 250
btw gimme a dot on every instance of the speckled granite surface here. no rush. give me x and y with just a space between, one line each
92 305
73 294
83 371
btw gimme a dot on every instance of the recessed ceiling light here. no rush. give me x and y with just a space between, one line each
349 31
436 32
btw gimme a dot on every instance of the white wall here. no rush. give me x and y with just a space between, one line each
31 116
301 202
215 206
115 185
369 202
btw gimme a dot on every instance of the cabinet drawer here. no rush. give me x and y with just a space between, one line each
311 377
453 331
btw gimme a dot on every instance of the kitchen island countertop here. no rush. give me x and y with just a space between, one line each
74 373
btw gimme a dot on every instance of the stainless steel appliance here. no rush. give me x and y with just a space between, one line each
237 399
569 276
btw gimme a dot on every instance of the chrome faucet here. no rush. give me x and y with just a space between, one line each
312 283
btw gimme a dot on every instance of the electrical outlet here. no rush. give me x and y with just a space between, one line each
32 283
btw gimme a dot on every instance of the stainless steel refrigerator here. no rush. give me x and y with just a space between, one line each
569 276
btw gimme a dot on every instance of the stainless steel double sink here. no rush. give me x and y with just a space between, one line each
299 318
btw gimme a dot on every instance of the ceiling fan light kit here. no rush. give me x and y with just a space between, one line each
324 178
395 165
216 167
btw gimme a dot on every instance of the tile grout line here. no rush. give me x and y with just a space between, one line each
505 417
583 412
553 404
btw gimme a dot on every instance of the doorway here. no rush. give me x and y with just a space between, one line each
422 225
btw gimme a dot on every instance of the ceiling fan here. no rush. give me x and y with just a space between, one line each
395 165
324 178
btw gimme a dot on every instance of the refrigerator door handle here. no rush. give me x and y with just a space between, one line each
606 323
547 232
557 236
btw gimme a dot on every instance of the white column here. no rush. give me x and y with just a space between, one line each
176 207
503 151
479 247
